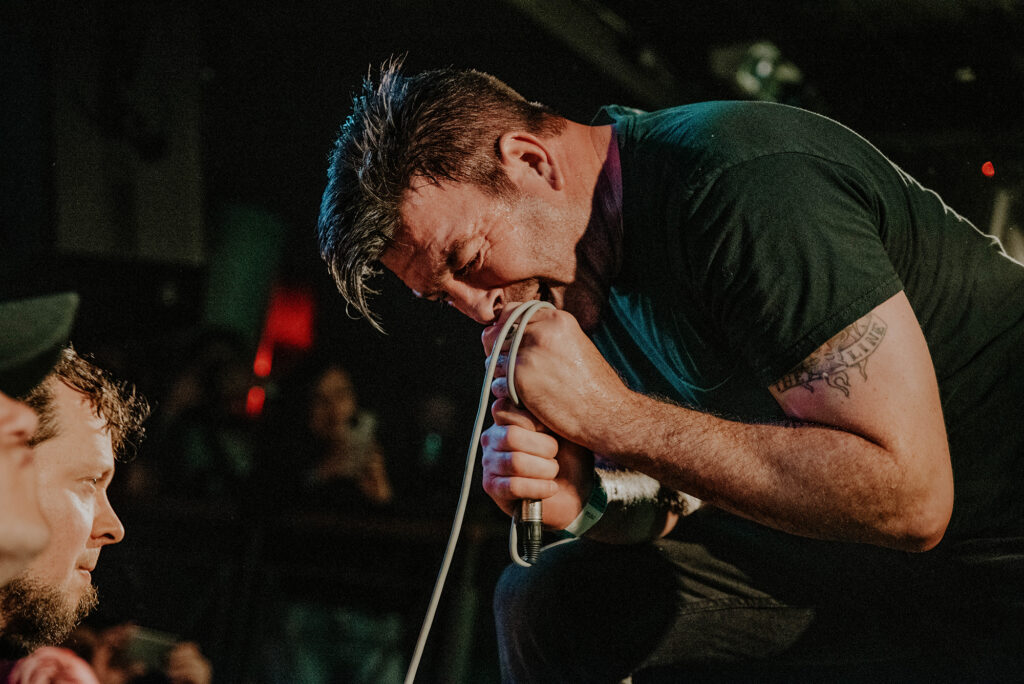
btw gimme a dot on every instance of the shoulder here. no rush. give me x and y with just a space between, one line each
716 135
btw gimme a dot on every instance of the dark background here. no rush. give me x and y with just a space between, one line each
148 144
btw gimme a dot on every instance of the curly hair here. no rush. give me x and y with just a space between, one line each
440 125
120 406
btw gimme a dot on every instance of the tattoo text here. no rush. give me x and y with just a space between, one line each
833 360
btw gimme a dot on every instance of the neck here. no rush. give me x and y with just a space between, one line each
599 248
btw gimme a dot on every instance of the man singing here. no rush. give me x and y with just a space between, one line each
754 307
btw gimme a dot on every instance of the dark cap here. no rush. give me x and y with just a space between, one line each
32 333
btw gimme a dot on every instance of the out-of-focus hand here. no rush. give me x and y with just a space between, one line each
187 665
374 482
51 665
110 658
522 460
23 531
560 377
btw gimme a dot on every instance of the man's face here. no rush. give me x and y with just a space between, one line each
23 531
332 405
74 468
478 253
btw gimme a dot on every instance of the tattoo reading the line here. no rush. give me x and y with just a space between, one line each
832 362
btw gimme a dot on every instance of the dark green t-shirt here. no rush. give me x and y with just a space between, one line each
755 232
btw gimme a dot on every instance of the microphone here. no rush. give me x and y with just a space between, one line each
529 521
529 528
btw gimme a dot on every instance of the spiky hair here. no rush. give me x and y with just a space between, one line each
440 125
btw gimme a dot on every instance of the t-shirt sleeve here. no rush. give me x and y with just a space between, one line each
785 251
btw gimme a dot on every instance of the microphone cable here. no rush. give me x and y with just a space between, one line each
532 527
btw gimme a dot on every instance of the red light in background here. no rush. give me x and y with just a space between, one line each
264 360
289 323
290 318
254 401
988 169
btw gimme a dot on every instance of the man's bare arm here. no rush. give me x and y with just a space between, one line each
863 459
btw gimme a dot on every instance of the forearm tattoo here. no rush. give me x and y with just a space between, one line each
832 361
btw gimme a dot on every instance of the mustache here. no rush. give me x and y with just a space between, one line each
527 290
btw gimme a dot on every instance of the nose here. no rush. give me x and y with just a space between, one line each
107 527
483 306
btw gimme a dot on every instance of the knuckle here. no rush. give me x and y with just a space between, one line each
563 322
487 462
495 486
510 461
498 435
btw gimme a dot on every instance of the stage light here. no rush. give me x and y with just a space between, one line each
290 318
289 323
254 401
759 71
988 169
264 359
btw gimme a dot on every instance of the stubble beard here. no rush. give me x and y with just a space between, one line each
33 614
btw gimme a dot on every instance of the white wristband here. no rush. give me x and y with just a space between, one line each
592 511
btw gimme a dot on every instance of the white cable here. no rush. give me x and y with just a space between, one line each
521 315
522 318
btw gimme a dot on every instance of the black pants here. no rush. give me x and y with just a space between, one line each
723 599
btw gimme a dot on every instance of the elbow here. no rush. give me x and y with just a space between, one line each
924 537
924 507
925 525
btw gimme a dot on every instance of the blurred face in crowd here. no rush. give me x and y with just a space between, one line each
333 404
74 468
23 531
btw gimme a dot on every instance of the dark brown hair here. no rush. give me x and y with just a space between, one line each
441 125
117 403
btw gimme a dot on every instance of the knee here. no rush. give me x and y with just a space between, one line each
584 613
523 597
507 592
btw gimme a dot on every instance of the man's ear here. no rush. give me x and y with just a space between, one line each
528 159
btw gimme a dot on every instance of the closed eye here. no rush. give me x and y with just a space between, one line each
468 268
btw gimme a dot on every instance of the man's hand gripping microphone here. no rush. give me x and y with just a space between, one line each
529 516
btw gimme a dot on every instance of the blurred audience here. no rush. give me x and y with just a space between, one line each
327 455
204 444
437 447
327 459
130 654
346 458
325 644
